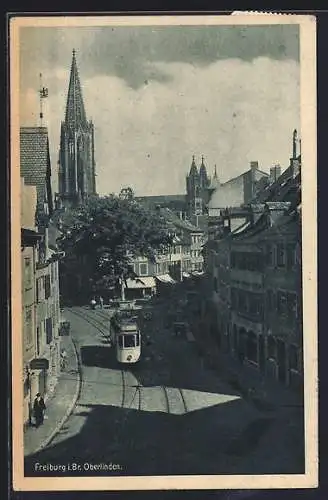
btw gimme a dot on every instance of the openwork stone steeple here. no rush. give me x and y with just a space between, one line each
76 175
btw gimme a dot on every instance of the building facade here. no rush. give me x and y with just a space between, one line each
254 304
237 191
29 242
76 172
173 264
42 365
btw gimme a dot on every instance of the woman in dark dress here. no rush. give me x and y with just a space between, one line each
38 409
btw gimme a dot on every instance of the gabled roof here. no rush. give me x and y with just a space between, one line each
177 222
35 162
286 188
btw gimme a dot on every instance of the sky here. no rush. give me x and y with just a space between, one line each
158 95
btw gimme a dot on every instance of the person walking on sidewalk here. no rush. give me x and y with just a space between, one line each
101 302
93 303
63 359
38 409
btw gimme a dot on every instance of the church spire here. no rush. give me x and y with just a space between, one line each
202 166
193 168
215 176
75 112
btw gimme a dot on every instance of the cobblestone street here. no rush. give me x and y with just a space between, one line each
171 409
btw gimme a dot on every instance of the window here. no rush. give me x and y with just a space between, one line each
49 330
293 357
282 303
290 256
270 300
251 347
28 272
143 269
47 289
215 284
242 299
129 341
270 255
281 256
234 298
28 326
252 304
38 336
271 348
292 305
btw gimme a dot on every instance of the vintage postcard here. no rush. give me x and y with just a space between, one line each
163 252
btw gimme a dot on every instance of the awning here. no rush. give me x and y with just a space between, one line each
165 278
197 273
145 282
185 275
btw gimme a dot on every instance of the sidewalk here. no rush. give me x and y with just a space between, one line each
59 405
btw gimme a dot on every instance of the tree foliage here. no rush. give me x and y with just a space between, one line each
102 236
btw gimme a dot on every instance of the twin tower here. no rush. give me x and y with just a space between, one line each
76 172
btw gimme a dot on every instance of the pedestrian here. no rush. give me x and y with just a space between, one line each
101 301
63 358
38 409
93 303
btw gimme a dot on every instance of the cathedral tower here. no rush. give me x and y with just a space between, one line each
196 186
76 174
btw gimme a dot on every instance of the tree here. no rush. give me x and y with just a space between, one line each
101 238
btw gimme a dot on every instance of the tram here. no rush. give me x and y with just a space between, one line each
128 348
126 338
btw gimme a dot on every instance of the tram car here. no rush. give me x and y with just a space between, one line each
126 338
128 344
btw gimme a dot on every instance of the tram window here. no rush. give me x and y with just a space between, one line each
120 341
129 341
137 339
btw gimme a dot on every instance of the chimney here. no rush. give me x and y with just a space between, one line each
254 165
275 173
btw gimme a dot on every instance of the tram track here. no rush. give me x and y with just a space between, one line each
137 390
123 388
93 322
167 401
183 400
172 405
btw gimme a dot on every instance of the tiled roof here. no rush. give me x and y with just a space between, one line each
165 198
34 159
183 224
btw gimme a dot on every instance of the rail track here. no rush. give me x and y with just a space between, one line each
95 322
